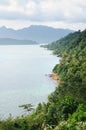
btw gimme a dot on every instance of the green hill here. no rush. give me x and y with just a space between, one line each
72 66
61 45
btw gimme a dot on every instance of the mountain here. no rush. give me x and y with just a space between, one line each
41 34
10 41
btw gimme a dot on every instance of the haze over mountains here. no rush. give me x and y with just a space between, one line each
38 33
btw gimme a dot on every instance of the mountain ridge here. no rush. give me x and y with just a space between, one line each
38 33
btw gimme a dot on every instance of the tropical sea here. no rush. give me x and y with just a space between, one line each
24 77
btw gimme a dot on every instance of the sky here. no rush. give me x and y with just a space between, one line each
18 14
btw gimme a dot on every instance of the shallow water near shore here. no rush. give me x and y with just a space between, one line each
23 77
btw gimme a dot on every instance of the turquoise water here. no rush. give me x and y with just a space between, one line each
23 77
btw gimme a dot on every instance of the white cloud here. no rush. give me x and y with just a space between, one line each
61 11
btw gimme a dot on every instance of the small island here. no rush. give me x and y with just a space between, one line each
10 41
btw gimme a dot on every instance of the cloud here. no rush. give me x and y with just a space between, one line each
44 10
4 2
13 15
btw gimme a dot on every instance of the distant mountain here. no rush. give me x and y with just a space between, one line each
41 34
9 41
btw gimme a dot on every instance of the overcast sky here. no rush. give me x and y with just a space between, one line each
56 13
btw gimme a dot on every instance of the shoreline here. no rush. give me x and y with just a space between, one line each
54 76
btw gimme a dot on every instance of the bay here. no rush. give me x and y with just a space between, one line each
24 77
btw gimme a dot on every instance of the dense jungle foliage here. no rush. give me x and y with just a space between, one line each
66 106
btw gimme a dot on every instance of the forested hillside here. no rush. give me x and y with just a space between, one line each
63 44
72 68
66 106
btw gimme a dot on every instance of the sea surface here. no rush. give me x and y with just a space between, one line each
24 79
